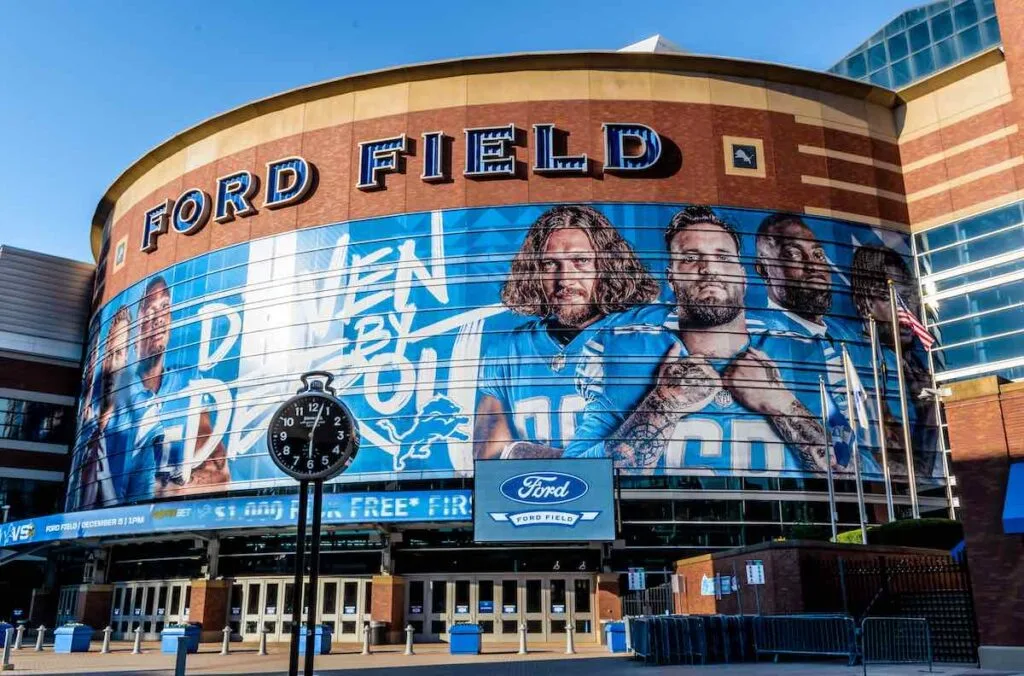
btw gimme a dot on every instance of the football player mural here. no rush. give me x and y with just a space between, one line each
672 338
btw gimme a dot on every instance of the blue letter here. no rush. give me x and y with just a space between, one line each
288 181
489 151
191 212
545 159
154 224
433 156
377 157
615 152
234 196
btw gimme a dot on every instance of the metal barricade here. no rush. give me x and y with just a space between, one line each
895 640
806 635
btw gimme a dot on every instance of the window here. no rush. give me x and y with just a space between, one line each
919 38
970 41
898 46
965 14
942 25
24 420
581 595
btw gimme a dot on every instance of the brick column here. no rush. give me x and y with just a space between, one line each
93 605
609 604
208 605
387 604
986 434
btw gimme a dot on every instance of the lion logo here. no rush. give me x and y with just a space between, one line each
439 420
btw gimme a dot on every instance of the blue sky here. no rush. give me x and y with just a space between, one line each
87 87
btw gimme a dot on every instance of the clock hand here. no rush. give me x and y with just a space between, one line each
312 431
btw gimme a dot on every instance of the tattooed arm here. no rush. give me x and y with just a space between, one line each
755 382
684 384
520 450
491 432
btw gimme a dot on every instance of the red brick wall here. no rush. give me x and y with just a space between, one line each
208 605
785 591
986 434
1011 28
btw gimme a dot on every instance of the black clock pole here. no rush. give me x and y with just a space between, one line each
300 550
314 574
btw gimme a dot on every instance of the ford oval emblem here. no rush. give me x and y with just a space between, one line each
544 488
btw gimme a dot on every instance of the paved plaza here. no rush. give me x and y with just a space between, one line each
429 660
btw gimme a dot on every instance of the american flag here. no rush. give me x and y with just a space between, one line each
907 318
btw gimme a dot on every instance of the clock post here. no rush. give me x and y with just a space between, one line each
312 437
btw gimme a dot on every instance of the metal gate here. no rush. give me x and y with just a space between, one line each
937 589
650 601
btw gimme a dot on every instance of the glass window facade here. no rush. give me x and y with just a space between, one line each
922 41
23 420
972 282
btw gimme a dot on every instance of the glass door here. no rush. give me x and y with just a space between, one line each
272 609
416 608
251 610
582 600
235 610
437 617
557 607
486 608
533 598
511 610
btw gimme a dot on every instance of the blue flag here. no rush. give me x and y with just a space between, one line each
843 440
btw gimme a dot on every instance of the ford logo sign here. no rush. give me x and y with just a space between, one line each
544 488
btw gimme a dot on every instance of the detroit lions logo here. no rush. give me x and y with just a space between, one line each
439 420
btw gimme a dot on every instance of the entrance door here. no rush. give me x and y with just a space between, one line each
533 598
150 605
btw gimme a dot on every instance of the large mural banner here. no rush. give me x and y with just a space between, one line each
670 338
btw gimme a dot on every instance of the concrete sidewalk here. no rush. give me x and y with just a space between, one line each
429 660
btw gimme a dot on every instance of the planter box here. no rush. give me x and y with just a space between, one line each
72 639
169 638
464 639
321 640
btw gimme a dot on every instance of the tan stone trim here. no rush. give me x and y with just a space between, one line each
860 130
961 148
849 157
853 187
856 218
953 119
954 73
332 101
966 212
966 178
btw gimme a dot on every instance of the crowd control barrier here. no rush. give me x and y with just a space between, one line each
832 635
896 640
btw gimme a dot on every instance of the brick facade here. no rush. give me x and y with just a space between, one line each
986 433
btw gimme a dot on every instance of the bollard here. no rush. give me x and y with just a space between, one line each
181 656
5 664
408 639
225 646
522 638
137 647
40 636
106 640
570 646
366 639
18 635
263 642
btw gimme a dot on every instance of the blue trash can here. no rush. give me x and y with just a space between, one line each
464 639
4 626
615 637
72 638
321 640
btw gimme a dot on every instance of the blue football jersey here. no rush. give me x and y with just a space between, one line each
163 425
617 371
533 376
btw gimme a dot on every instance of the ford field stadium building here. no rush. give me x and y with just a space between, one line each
644 259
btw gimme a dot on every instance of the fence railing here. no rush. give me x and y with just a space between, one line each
895 640
833 635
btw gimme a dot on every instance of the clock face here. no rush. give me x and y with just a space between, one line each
312 436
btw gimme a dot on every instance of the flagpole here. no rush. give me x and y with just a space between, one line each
862 513
832 516
898 346
881 422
